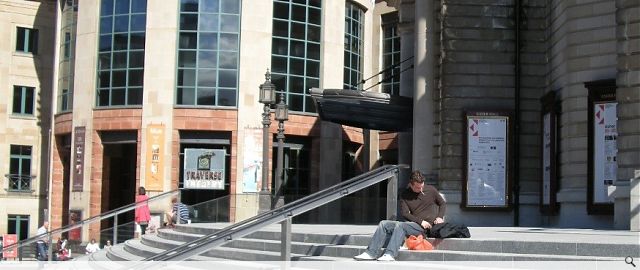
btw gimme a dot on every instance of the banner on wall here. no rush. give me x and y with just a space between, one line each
155 161
78 158
487 162
204 168
252 163
605 150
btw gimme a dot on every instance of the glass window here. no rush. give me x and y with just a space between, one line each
208 41
354 21
121 58
390 54
20 168
296 39
23 100
139 6
208 53
189 5
18 225
67 45
27 40
138 22
230 6
122 6
210 6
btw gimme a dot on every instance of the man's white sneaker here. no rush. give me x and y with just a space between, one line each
364 257
386 258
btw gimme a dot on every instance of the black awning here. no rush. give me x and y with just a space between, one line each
363 109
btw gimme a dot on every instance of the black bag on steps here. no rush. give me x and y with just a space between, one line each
448 230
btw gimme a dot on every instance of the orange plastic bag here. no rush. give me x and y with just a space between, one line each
418 243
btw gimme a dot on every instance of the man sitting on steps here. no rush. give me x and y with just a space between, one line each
179 213
418 204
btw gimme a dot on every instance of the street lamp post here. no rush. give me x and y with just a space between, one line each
267 97
282 115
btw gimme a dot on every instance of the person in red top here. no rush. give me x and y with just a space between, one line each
143 215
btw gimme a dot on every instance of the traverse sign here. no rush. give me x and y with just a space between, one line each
204 168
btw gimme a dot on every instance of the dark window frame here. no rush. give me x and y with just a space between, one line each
18 181
206 73
121 82
21 107
296 61
26 40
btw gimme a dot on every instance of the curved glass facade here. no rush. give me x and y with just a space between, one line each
208 53
121 52
295 51
391 53
67 53
353 34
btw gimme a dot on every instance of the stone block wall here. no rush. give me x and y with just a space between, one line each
582 48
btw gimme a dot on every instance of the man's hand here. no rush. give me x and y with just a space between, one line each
438 221
425 225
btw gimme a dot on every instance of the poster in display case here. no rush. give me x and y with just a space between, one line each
487 155
603 147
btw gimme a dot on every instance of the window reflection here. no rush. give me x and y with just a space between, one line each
209 46
296 38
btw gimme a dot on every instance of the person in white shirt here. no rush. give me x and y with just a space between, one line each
92 247
41 244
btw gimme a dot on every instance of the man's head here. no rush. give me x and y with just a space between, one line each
174 200
46 224
416 181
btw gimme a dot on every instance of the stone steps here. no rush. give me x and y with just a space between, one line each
264 245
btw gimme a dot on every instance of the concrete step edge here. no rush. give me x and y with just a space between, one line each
136 247
294 256
117 253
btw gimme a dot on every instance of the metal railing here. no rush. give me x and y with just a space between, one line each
282 214
78 225
18 182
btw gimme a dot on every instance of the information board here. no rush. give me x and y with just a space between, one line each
605 147
602 152
487 160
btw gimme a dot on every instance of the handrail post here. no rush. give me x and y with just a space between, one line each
115 229
285 240
50 248
392 197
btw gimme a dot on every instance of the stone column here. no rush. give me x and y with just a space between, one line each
405 29
628 97
423 87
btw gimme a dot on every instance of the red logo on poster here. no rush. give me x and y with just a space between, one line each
9 239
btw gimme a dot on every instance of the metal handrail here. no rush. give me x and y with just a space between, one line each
285 212
24 182
100 217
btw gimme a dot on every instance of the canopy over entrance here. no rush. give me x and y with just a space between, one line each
379 111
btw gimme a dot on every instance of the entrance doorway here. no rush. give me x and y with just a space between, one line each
220 140
64 151
118 186
296 172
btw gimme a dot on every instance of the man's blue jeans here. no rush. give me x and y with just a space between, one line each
393 232
42 251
